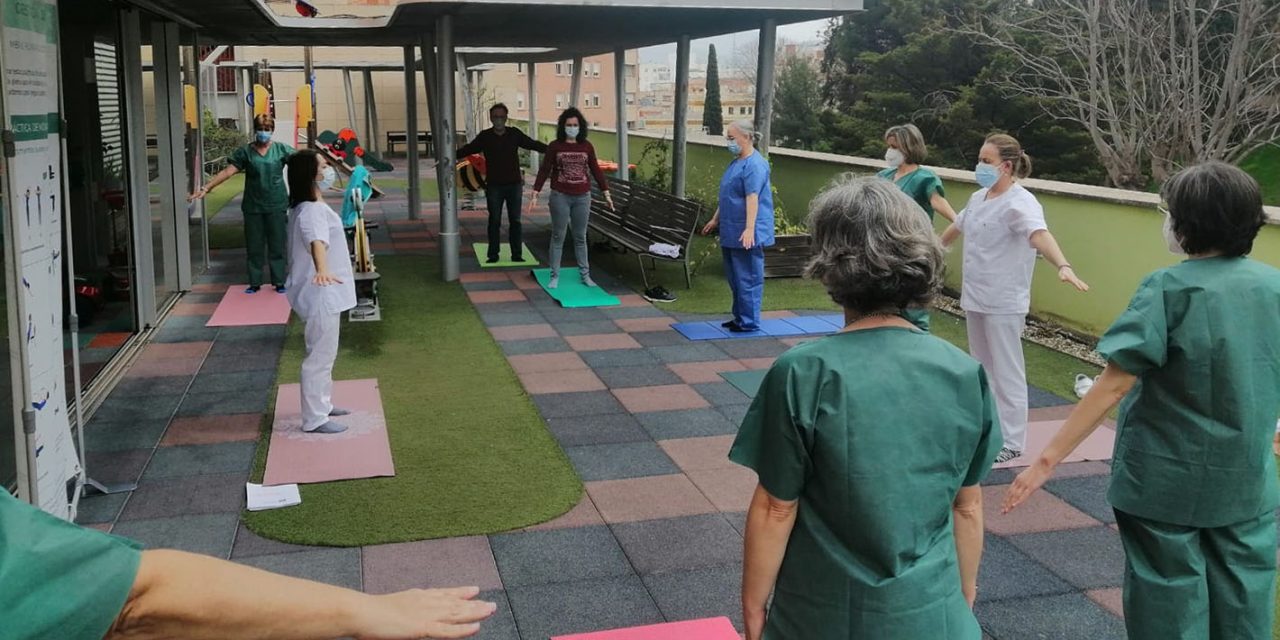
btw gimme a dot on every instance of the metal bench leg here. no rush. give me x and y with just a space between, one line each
644 273
688 279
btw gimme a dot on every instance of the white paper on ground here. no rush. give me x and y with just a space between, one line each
261 498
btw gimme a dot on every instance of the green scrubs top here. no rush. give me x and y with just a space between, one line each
59 580
264 190
920 185
1193 442
874 432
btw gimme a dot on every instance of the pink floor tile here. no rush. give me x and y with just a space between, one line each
1042 511
382 247
602 342
666 397
648 498
482 276
561 382
757 363
698 454
404 246
484 297
411 235
171 350
211 287
109 340
544 362
1098 446
523 279
243 427
584 514
143 368
194 309
637 325
698 372
430 564
1110 599
632 300
791 342
523 332
729 489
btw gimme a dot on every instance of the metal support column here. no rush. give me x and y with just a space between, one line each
449 241
680 125
765 82
171 155
620 88
430 69
135 143
468 98
309 75
371 112
575 84
531 70
195 158
351 99
411 133
246 107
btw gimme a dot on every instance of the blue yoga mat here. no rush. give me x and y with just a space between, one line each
772 328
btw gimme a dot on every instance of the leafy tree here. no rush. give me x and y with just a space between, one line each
797 105
712 112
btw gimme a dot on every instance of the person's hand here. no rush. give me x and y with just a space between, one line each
533 200
325 279
748 238
1068 275
753 623
711 225
608 198
423 613
1027 483
970 595
199 193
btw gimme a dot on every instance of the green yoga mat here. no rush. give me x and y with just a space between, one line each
747 382
504 256
572 293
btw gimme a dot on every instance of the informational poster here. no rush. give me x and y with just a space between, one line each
34 200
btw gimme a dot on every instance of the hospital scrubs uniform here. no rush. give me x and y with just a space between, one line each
995 294
876 462
319 307
265 204
59 580
1193 482
744 268
920 185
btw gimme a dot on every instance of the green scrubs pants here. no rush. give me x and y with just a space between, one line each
264 236
1189 583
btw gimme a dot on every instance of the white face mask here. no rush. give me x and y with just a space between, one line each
326 178
894 158
1171 238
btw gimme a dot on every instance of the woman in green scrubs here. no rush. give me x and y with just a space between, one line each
265 203
1195 364
867 520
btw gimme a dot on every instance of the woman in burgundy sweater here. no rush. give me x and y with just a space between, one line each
570 162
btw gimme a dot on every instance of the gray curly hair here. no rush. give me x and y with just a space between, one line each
873 248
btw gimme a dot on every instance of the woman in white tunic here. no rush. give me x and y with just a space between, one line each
320 286
1004 228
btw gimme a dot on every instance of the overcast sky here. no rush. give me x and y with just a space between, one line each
726 45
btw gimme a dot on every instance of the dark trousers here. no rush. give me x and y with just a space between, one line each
497 195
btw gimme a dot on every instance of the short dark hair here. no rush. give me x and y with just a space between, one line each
1214 207
264 122
499 106
303 166
571 112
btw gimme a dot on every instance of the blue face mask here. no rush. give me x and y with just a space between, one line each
987 175
734 147
571 132
262 137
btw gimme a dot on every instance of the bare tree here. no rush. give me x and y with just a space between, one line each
1195 80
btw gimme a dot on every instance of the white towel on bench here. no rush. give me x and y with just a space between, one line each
664 249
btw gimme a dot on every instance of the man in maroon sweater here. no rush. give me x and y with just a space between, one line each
504 182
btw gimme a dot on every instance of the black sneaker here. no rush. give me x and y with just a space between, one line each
492 260
729 324
658 294
517 258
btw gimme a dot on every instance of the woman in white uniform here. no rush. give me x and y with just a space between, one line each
1004 229
320 286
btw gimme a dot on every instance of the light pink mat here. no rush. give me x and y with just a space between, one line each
706 629
362 451
1098 446
240 309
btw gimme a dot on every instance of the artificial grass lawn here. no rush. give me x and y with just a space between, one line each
218 198
472 455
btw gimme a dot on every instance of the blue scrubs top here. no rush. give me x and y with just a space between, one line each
744 177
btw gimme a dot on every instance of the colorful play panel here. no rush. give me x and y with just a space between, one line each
773 328
504 256
571 293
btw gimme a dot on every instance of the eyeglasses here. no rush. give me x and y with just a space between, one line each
1163 208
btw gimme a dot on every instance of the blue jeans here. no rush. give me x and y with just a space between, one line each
569 210
744 268
510 195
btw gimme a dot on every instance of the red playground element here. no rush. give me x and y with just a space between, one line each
305 9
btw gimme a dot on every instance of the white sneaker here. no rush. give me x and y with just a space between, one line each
555 282
1083 385
1006 454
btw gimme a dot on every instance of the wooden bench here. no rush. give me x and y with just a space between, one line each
643 216
402 137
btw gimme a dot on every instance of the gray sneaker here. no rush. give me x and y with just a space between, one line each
554 282
586 280
1006 454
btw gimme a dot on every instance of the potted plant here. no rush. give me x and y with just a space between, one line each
790 253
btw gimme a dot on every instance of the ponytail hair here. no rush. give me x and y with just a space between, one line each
1010 151
748 129
303 166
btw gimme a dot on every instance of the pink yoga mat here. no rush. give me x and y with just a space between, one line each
240 309
706 629
1098 446
362 451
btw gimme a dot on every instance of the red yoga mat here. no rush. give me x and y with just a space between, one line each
705 629
362 451
240 309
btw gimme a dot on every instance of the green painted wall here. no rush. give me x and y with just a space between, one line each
1112 246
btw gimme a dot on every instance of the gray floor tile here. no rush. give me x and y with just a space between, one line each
157 386
559 555
507 307
702 593
620 460
738 520
752 347
617 358
1086 493
245 347
1061 617
208 534
689 423
734 413
1001 476
121 436
1006 572
497 285
184 334
544 611
692 352
1090 558
511 319
561 315
340 567
168 497
721 393
680 544
100 509
651 375
229 364
116 466
659 338
246 382
602 429
1037 398
260 332
584 403
536 345
184 322
501 625
588 328
202 298
131 409
619 313
201 459
223 403
249 544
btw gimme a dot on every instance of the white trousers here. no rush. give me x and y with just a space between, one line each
321 336
995 340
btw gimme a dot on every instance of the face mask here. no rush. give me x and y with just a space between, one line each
987 175
894 158
1171 238
326 178
572 132
734 147
263 137
499 123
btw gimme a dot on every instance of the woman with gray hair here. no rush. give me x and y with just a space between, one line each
867 519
